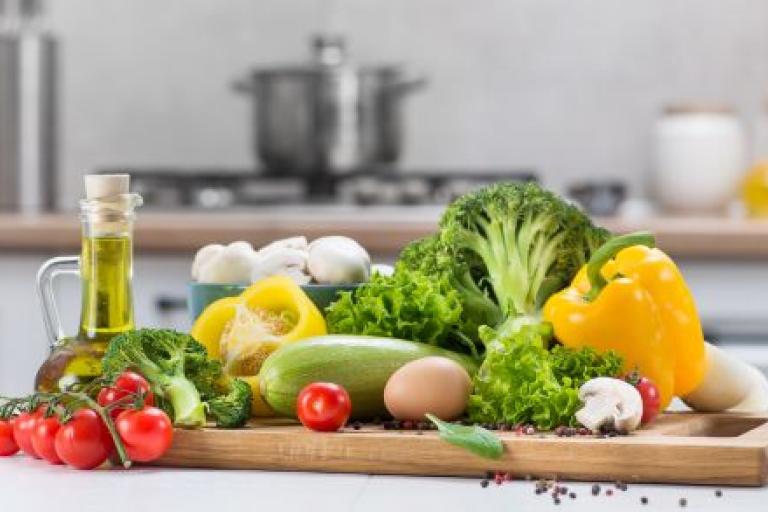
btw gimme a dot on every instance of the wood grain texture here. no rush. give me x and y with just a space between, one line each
382 231
680 448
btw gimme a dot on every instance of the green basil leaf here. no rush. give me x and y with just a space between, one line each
476 439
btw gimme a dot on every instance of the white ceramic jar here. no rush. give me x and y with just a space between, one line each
700 156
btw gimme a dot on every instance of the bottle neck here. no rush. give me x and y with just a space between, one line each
106 270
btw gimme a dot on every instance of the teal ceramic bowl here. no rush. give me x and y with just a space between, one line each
202 294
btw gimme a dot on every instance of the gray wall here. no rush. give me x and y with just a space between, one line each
568 86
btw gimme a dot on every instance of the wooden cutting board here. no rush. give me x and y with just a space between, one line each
684 448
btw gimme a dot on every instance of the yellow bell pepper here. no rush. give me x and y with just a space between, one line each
631 298
242 331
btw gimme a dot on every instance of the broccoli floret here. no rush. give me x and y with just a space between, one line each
527 242
160 356
182 377
232 408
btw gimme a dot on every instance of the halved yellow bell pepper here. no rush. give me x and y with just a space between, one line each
242 331
632 298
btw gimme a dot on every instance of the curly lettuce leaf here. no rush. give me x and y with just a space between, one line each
409 305
521 381
575 367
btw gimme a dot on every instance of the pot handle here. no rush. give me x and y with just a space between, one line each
407 86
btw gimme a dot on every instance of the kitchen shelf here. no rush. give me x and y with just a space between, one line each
383 230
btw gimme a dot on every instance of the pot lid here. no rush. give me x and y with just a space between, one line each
329 55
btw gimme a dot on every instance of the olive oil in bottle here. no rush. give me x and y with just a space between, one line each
105 267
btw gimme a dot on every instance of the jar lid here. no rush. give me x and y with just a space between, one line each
100 186
697 107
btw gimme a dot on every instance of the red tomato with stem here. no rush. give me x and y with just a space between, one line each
84 441
127 383
23 426
8 444
651 399
323 406
43 438
146 433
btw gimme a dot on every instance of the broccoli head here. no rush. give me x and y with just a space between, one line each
520 241
177 367
232 407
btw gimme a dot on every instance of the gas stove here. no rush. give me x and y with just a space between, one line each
222 189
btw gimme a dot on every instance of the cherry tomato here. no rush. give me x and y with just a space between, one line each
651 399
323 406
8 444
146 433
23 426
43 438
84 441
126 383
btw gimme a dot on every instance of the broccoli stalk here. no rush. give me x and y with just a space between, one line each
160 357
527 241
186 382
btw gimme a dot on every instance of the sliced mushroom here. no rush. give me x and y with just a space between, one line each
287 261
338 260
295 242
610 403
299 277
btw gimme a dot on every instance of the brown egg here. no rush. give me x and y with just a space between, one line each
436 385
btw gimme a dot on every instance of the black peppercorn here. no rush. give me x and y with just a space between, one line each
572 495
683 502
595 490
644 500
484 483
719 493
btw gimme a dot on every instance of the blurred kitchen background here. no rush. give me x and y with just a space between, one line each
240 119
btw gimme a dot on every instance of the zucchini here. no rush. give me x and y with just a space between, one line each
361 364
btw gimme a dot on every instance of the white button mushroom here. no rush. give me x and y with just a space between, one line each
610 403
338 260
232 265
203 257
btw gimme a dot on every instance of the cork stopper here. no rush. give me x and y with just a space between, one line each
101 186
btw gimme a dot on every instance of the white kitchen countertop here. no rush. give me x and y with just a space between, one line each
34 486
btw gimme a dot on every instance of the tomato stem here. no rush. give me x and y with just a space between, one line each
105 417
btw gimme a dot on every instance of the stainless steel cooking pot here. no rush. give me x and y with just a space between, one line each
327 116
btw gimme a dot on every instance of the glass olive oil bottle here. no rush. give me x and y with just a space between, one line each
105 267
